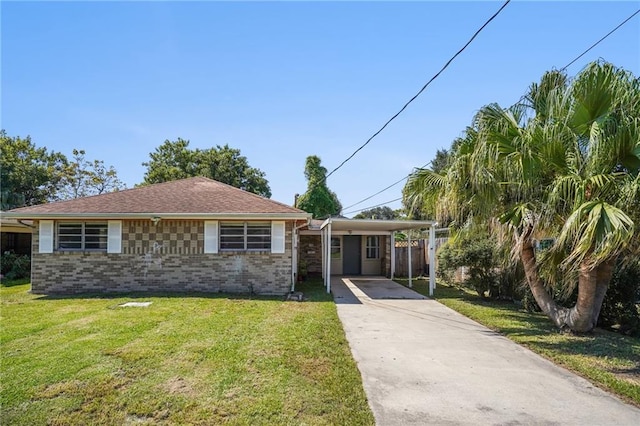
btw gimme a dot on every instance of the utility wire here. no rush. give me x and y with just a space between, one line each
382 190
423 88
520 100
599 41
372 207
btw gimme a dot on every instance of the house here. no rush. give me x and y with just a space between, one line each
197 235
188 235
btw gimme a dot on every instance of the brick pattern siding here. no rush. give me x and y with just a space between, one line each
310 249
168 257
385 242
311 252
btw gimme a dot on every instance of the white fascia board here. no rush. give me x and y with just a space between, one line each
361 233
387 225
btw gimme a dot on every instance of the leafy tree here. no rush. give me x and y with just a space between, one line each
384 212
83 178
563 163
418 208
174 160
441 161
319 200
29 175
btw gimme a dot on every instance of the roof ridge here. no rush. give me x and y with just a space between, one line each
120 191
195 194
255 195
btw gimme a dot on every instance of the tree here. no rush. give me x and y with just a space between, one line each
385 213
319 200
29 175
563 163
82 178
174 160
416 207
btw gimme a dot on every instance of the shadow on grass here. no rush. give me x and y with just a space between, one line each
313 291
539 329
13 283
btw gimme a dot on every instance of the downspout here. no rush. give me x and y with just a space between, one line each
294 253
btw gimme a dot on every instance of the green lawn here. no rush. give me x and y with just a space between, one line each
186 359
609 360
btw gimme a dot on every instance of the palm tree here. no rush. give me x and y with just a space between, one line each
563 163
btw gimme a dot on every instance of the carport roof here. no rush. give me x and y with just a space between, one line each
342 224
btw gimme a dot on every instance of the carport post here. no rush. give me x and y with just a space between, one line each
393 253
323 251
432 259
329 257
409 256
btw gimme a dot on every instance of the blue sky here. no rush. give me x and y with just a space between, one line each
281 81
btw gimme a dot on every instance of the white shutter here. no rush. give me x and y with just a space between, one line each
210 236
114 236
45 240
277 237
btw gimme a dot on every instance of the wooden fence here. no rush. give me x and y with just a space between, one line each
419 257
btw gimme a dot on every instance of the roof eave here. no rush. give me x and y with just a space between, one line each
193 216
389 225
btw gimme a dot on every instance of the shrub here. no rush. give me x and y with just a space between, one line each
620 303
477 253
14 266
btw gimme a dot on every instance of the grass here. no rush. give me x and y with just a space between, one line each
609 360
185 359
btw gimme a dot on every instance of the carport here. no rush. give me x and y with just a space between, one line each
349 233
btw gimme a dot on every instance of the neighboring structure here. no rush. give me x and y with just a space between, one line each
15 237
199 235
188 235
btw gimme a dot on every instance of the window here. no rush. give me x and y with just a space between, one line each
82 236
335 247
373 247
245 236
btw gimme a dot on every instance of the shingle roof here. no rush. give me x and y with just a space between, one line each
191 196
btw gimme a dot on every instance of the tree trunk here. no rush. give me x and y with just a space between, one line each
556 313
581 315
604 274
592 287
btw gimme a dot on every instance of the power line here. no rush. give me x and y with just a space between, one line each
519 100
599 41
382 190
372 207
422 89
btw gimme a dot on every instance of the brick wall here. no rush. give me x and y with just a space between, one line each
167 257
385 242
311 251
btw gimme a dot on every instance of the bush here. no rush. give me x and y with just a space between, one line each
14 266
620 308
477 253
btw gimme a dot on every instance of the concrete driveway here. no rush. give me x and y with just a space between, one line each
423 363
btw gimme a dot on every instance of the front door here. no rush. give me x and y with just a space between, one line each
352 255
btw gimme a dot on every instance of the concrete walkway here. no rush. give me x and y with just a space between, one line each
423 363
